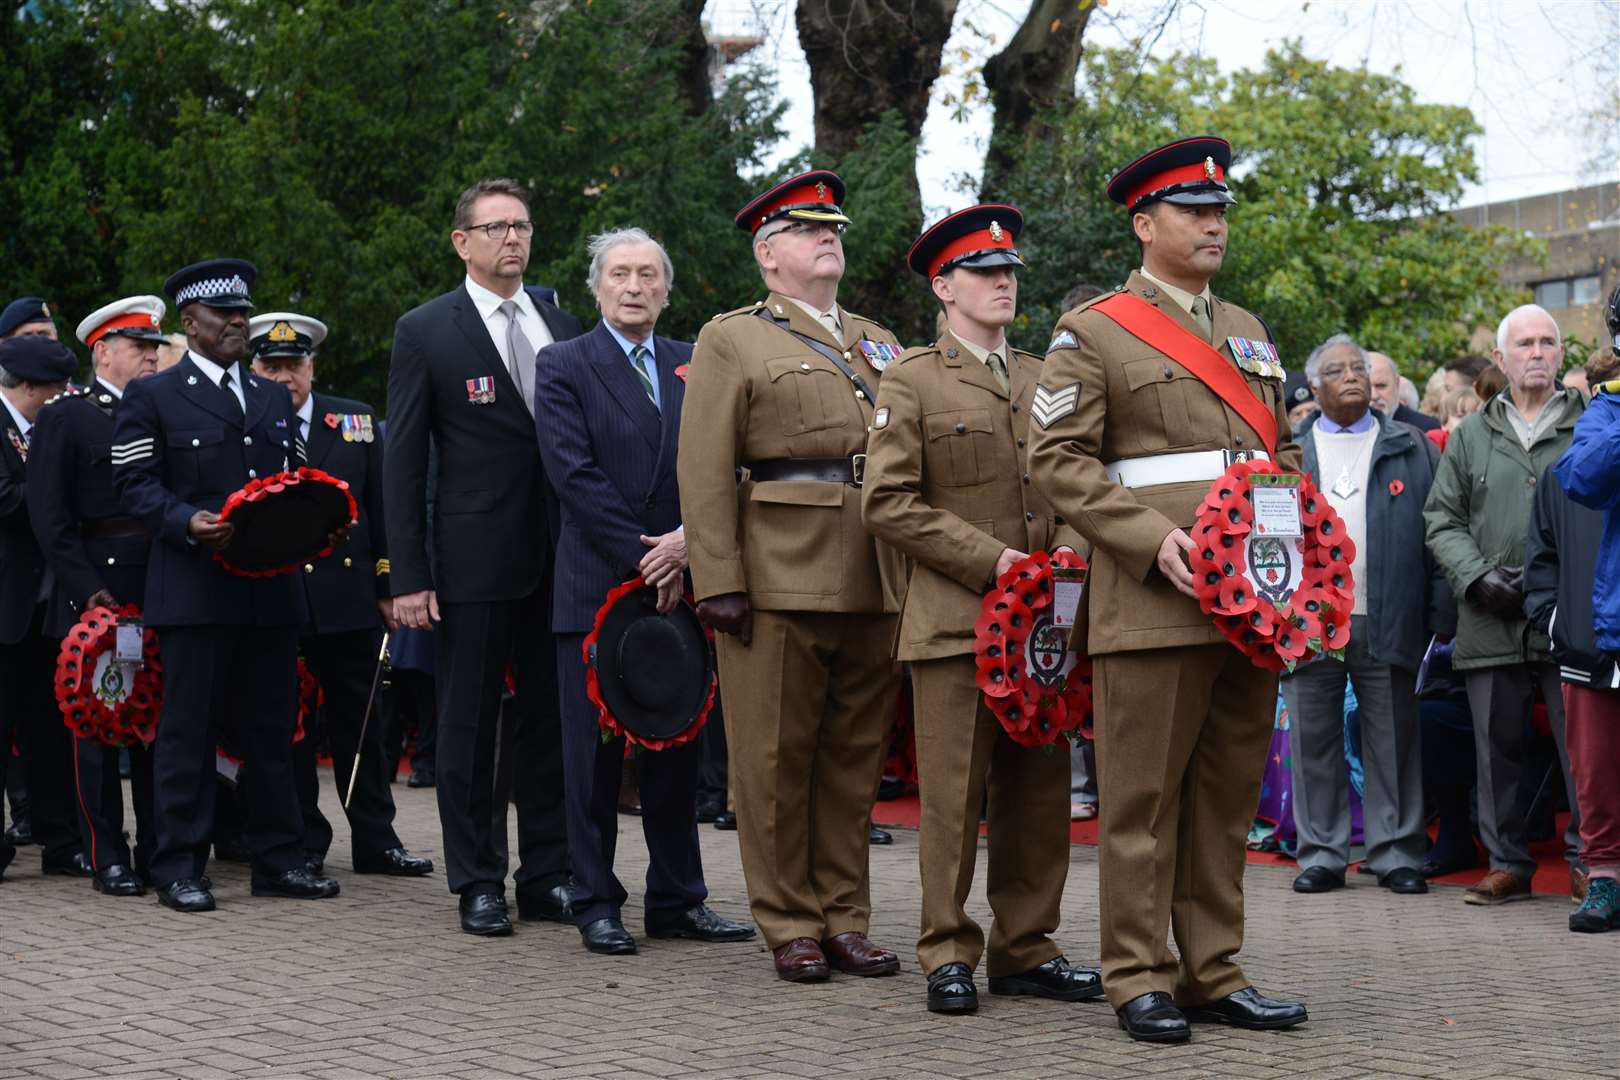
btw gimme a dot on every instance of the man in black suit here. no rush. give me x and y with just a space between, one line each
608 409
183 441
33 369
347 595
97 554
462 376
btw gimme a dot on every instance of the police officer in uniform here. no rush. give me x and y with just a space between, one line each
183 441
946 485
1129 433
803 599
98 556
348 599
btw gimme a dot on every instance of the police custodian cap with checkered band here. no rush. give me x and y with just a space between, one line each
978 238
1187 172
218 283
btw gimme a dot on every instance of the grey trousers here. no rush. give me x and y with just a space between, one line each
1500 699
1392 765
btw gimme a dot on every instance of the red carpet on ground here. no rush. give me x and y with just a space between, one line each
1552 873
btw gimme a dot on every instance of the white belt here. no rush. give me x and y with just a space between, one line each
1177 468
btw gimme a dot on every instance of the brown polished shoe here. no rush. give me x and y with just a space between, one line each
1498 887
854 954
1579 881
800 960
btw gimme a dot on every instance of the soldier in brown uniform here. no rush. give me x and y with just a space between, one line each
773 438
945 484
1127 438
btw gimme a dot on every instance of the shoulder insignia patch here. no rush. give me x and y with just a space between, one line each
880 419
1065 339
1050 406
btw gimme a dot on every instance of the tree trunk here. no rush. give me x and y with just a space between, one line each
1032 75
685 32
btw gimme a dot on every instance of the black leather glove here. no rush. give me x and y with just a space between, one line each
728 614
1497 591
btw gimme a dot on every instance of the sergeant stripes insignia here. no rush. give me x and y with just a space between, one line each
1050 406
124 453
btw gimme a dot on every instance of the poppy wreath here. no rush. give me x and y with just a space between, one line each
1034 691
1281 623
611 728
100 698
263 487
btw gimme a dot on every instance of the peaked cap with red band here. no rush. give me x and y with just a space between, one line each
813 196
1187 172
133 316
979 238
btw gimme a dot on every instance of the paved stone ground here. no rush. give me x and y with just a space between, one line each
379 983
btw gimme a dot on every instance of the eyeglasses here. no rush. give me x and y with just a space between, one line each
497 230
810 228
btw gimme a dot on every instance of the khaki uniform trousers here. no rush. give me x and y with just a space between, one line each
1182 736
808 708
963 755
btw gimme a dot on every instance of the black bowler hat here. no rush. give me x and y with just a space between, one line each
979 238
653 674
24 309
37 359
817 195
219 283
1296 390
1187 172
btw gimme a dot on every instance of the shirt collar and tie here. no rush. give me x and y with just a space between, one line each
643 359
226 378
995 359
306 413
1327 426
515 326
832 320
1198 305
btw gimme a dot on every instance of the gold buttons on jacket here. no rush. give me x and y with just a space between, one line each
348 562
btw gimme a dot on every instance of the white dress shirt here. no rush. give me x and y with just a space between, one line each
306 413
529 321
215 373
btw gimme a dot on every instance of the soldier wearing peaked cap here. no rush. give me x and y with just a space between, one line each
183 441
804 601
946 483
98 554
1129 434
348 602
33 369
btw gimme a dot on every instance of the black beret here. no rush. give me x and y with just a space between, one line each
1296 390
37 359
24 309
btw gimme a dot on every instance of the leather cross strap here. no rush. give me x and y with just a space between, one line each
824 349
1153 327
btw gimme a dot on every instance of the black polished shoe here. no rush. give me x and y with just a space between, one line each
608 937
1317 879
395 862
951 989
1249 1008
726 821
697 923
117 880
296 884
1404 879
881 836
315 864
1154 1018
75 865
555 904
21 833
1056 979
485 914
708 810
422 778
187 894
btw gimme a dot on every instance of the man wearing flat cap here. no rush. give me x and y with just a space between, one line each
183 441
98 555
946 485
33 369
780 394
1130 430
347 596
27 316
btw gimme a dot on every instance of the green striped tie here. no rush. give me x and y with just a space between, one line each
638 360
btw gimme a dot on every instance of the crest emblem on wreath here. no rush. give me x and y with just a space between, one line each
1268 558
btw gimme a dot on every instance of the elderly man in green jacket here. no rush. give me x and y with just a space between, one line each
1476 518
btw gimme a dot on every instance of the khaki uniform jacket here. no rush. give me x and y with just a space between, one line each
1136 402
754 392
946 484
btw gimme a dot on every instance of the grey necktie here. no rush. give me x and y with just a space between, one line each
998 368
1200 314
830 321
521 355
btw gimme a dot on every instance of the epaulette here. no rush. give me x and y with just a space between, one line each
70 392
749 310
1271 337
916 351
1612 388
1034 357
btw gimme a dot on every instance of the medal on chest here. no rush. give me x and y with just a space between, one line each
878 353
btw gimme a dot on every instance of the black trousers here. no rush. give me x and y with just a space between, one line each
668 784
406 706
250 673
712 778
344 664
475 644
100 802
29 714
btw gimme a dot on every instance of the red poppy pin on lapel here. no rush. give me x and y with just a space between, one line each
332 419
1396 487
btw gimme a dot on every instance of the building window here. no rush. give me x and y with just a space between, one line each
1568 292
1584 290
1553 295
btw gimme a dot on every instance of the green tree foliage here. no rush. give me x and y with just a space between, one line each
1342 178
327 140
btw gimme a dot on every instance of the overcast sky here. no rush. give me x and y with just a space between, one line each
1529 70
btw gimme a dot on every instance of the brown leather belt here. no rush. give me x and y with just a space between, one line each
836 470
111 528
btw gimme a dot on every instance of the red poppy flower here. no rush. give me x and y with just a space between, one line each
1234 514
1235 597
1290 643
1311 508
1396 487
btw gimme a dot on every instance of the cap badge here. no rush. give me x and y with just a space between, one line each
1209 168
156 322
821 190
995 231
283 332
45 310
